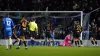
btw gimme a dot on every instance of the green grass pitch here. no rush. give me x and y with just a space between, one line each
50 51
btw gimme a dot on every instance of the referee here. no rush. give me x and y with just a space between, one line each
33 28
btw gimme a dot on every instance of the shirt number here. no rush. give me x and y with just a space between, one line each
8 23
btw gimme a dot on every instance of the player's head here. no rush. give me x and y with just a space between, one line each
33 19
7 15
23 16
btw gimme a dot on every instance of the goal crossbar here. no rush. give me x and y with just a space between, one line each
43 11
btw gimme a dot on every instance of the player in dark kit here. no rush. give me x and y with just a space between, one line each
93 33
16 34
48 28
76 35
23 33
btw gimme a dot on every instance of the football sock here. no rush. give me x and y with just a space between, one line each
15 42
76 43
6 43
81 42
32 42
48 43
72 41
92 42
25 44
54 43
19 43
96 42
10 41
44 43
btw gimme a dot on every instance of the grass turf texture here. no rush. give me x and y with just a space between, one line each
50 51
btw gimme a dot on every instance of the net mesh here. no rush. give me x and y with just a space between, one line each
61 22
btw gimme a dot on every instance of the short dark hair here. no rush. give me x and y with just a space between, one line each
22 15
7 15
32 19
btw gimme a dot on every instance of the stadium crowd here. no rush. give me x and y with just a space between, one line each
53 5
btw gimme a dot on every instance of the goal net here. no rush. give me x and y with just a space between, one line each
61 21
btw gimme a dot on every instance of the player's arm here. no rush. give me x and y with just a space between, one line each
27 28
3 21
12 24
14 31
81 29
22 20
36 27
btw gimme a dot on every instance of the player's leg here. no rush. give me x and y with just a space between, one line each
53 40
6 39
20 41
75 40
24 41
49 38
46 39
16 41
20 38
81 42
32 33
95 42
92 41
9 34
49 41
78 41
10 41
72 41
16 38
32 41
6 42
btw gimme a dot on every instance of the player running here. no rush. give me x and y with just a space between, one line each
8 25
